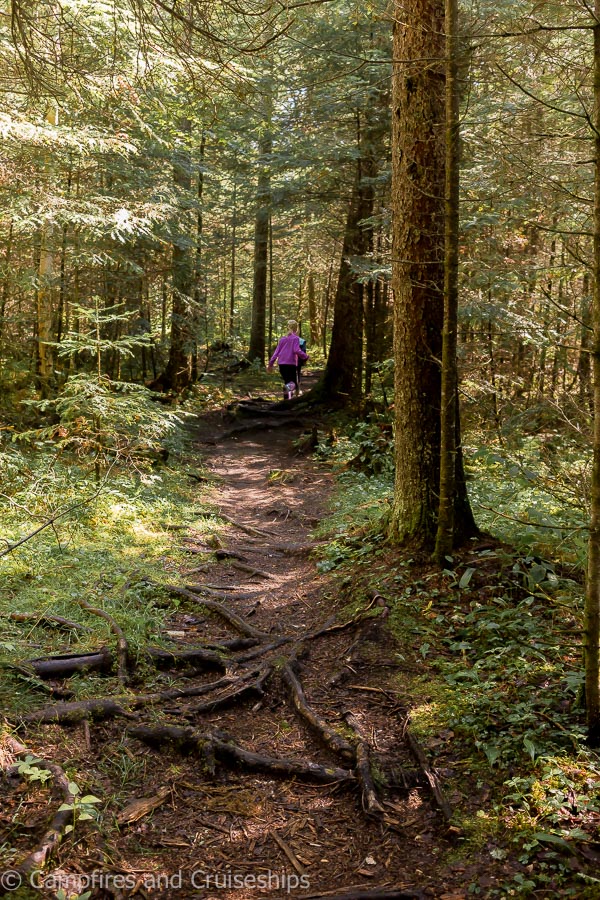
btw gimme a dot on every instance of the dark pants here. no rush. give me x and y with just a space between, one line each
288 373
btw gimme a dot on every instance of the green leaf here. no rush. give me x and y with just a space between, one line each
466 577
549 838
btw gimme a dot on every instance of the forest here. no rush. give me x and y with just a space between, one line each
340 644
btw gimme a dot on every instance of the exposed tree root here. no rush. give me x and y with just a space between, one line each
258 423
54 834
113 707
238 692
328 735
102 660
122 649
242 567
370 800
209 659
45 619
219 594
211 745
432 778
76 711
238 623
373 894
247 529
69 664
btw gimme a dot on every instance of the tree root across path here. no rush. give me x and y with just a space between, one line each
212 747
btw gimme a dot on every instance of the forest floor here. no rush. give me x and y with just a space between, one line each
189 817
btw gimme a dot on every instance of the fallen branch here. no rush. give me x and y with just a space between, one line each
328 735
49 522
370 800
210 745
431 776
63 817
242 567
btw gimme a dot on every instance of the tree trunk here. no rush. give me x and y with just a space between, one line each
313 319
261 252
199 312
418 166
592 599
177 373
583 360
444 541
5 286
342 378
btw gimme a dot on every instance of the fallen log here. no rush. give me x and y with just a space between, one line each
209 745
330 737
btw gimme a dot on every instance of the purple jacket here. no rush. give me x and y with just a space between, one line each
288 351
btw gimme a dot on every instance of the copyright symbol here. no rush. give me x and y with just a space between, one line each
10 880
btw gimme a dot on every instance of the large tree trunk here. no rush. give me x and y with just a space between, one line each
444 541
592 599
418 262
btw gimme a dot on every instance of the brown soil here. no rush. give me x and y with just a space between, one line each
230 832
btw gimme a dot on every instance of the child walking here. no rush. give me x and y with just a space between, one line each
288 351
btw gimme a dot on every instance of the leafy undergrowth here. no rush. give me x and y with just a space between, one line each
491 667
112 544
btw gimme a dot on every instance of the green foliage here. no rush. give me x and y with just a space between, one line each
83 808
110 550
531 496
30 769
106 421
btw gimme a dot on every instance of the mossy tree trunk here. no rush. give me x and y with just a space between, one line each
418 166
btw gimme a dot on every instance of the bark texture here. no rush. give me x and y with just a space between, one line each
418 149
592 599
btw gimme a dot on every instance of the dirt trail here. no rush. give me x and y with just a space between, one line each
253 835
221 821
